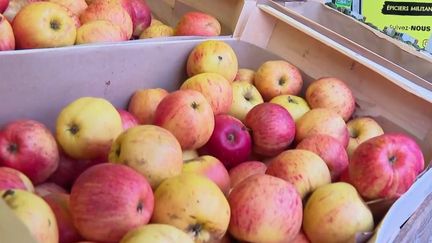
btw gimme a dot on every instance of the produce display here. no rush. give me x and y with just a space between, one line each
231 155
30 24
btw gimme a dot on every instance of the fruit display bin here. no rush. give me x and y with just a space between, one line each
37 84
365 40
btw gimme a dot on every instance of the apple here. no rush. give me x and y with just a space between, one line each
28 146
302 168
198 24
75 6
278 77
210 167
230 141
48 188
187 115
265 209
140 14
361 129
144 102
150 150
295 105
331 93
7 38
14 179
213 56
156 233
385 166
207 84
34 213
128 120
193 204
112 11
244 170
156 31
335 213
301 238
322 121
155 22
245 97
245 74
14 7
108 200
189 154
87 127
43 25
59 204
3 5
273 128
99 31
345 176
330 150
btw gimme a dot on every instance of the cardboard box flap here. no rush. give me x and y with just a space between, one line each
350 32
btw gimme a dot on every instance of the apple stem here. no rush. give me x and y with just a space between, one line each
7 193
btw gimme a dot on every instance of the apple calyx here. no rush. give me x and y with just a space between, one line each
282 81
291 100
74 129
140 207
54 24
219 57
7 193
248 96
12 148
354 133
231 137
194 105
197 233
392 159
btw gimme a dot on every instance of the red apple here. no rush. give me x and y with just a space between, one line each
230 141
28 146
3 5
301 238
7 38
48 188
59 203
211 168
188 115
330 150
265 209
345 176
385 166
198 24
246 169
140 14
108 200
14 179
128 120
273 128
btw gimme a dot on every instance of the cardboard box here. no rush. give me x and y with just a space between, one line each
37 84
361 38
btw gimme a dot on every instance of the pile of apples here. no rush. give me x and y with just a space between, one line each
28 24
231 155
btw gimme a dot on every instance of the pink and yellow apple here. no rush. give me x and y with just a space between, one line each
150 150
157 31
140 14
108 200
246 169
361 129
265 209
30 147
144 102
278 77
302 168
156 233
331 93
213 56
128 120
14 179
198 24
245 97
7 38
245 74
99 31
75 6
207 84
295 105
43 25
188 115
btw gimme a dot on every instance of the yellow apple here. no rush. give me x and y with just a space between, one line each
155 22
75 6
193 204
245 97
87 127
278 77
361 129
335 213
189 154
34 213
43 25
295 105
111 11
144 102
151 150
156 233
7 38
213 56
157 30
302 168
215 88
99 31
245 74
